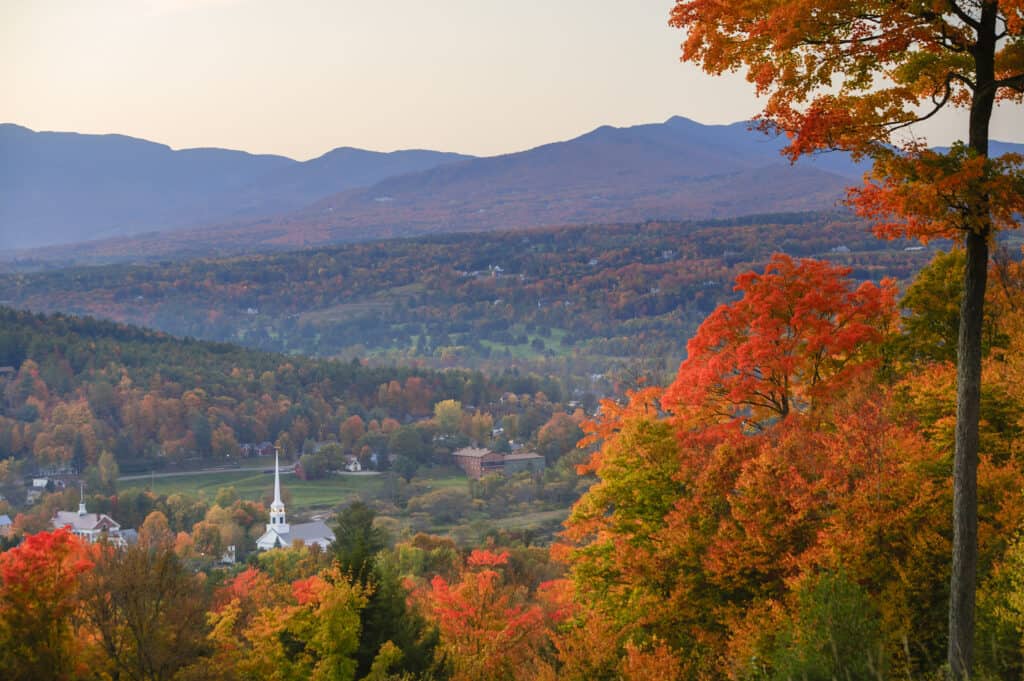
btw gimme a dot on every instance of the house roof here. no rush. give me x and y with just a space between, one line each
521 456
5 520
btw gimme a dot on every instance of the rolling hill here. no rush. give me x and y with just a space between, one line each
567 301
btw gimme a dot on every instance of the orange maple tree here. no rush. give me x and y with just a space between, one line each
488 629
851 75
799 331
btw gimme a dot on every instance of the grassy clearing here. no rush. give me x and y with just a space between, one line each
304 494
299 494
528 520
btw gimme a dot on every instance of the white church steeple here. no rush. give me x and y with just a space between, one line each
280 534
81 499
278 522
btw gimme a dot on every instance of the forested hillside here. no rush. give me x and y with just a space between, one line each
75 387
571 301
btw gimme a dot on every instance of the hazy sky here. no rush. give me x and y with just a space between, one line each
299 78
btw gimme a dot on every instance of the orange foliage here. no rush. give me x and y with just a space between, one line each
797 333
488 628
925 194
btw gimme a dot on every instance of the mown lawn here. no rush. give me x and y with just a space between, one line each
299 494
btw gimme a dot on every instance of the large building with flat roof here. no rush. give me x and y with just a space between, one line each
478 462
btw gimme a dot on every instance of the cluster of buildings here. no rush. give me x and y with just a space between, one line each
249 449
475 461
93 527
478 462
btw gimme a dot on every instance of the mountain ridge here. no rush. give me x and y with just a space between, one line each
66 187
678 169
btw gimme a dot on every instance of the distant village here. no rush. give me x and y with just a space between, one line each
477 462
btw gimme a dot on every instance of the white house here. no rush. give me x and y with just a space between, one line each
280 534
89 526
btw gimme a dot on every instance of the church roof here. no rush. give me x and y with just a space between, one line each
311 531
84 521
316 531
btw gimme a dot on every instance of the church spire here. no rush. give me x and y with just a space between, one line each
278 520
277 481
81 498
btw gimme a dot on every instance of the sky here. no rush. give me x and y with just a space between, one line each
300 78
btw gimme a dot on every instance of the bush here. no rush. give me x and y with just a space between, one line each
443 505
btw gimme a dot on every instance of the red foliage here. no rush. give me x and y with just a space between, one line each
38 595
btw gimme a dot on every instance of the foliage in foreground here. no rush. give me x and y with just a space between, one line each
780 511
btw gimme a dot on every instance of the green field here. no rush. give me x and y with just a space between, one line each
305 496
299 494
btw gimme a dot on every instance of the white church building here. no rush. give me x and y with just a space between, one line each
280 534
89 526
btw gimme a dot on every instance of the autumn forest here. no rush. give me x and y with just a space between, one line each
774 447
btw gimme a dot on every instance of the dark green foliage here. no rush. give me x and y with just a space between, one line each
406 467
357 541
313 466
407 442
387 616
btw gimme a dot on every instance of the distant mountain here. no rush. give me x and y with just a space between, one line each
679 169
60 187
675 170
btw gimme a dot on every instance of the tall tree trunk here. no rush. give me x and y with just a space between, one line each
963 581
965 462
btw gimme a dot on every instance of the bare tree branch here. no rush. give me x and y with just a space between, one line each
1013 82
963 16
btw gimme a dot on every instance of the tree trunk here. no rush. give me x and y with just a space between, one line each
965 462
963 580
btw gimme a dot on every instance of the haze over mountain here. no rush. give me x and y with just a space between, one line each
59 187
674 170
